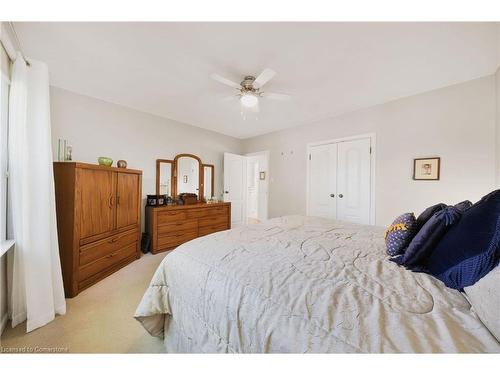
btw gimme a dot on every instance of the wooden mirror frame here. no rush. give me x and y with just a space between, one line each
200 175
158 166
212 167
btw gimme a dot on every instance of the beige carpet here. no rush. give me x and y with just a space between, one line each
98 320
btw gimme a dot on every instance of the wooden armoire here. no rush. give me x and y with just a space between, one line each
98 221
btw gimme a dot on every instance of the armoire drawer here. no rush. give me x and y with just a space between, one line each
107 261
99 249
203 231
175 239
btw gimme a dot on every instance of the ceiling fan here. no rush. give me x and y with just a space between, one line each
250 89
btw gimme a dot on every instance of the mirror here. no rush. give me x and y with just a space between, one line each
187 174
208 181
164 173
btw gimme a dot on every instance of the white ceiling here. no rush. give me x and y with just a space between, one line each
329 68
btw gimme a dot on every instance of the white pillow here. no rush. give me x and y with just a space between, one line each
484 296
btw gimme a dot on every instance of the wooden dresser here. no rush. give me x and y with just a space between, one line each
170 226
98 221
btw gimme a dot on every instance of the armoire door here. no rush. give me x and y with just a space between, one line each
127 199
96 194
353 181
322 180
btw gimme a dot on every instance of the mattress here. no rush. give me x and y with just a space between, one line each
300 284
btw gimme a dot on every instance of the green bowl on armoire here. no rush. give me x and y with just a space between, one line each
104 160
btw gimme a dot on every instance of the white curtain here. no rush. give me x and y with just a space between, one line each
36 291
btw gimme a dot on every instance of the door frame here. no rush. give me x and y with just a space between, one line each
373 159
266 154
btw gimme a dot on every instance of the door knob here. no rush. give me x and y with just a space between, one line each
341 196
332 195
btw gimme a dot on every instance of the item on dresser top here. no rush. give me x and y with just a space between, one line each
427 238
484 296
471 248
98 221
121 164
104 160
400 233
156 200
188 198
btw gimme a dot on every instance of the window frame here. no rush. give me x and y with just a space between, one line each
5 244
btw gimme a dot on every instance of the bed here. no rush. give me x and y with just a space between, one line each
300 284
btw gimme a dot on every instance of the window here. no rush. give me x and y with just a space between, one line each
4 117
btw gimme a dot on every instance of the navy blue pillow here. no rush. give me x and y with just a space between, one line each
423 244
427 214
470 249
400 233
462 206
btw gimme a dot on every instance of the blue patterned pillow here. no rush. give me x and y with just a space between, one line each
400 233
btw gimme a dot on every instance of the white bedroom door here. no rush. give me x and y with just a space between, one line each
340 180
322 181
234 186
353 181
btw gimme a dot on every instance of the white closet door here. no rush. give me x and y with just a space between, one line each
322 181
234 186
353 181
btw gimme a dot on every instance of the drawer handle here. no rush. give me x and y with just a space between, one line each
113 240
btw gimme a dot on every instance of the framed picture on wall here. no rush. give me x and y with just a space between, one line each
426 169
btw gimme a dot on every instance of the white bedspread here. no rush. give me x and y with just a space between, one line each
301 284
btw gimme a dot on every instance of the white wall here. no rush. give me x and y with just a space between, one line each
456 123
96 128
497 88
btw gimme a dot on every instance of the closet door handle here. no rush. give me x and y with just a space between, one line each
332 195
110 201
341 196
226 192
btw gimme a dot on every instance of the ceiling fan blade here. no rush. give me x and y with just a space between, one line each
263 78
275 95
225 81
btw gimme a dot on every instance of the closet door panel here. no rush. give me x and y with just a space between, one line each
127 199
322 181
353 182
96 189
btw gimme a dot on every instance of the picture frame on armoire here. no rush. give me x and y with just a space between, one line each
427 169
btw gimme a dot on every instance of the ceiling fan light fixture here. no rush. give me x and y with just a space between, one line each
249 100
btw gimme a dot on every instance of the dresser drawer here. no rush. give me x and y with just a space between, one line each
107 261
212 229
177 238
172 228
99 249
209 211
213 220
166 217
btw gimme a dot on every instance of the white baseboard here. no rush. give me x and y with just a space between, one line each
3 322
